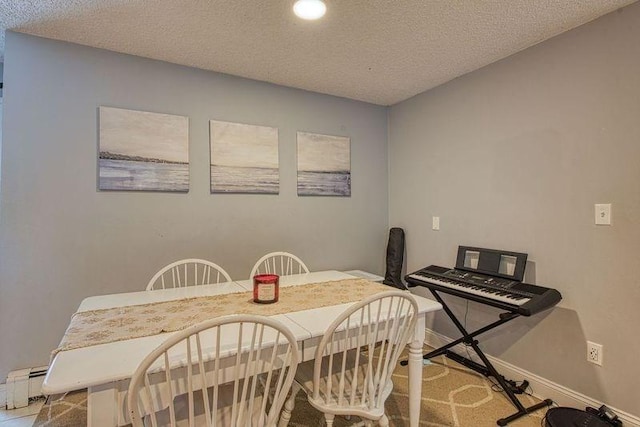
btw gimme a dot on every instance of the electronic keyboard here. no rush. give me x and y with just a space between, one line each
492 277
496 291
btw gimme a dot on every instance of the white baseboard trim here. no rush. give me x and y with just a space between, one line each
542 387
3 396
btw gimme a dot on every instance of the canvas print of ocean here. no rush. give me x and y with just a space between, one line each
143 151
244 158
324 165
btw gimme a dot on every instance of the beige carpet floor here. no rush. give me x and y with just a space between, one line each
452 396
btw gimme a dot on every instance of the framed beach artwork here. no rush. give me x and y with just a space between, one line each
324 165
143 151
244 158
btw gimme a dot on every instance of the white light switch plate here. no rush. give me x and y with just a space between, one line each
435 223
603 214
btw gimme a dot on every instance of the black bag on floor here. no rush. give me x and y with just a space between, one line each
569 417
395 259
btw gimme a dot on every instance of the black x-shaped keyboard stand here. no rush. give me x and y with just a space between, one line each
488 369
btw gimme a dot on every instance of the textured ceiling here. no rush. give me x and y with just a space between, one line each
379 51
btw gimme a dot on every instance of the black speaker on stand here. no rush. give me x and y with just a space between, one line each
395 259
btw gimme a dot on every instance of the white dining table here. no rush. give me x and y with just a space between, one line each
105 369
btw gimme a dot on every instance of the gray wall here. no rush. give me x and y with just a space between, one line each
1 104
514 156
61 240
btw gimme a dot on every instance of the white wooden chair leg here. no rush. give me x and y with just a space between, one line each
384 421
329 419
285 416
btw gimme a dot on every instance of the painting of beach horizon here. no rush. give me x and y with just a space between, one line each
244 158
142 151
324 165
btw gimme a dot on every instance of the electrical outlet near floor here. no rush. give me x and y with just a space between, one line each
594 353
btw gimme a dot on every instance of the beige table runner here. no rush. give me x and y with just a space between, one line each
95 327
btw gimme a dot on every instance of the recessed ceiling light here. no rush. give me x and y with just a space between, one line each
309 9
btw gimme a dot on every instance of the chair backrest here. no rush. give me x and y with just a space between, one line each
280 263
216 373
188 272
362 347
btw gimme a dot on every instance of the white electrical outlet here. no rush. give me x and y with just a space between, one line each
594 353
603 213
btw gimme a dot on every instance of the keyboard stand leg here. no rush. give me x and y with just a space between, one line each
468 338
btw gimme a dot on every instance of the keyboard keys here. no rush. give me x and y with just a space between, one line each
487 292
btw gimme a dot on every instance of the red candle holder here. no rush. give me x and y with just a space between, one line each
266 288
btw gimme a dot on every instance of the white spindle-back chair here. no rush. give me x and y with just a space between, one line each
351 373
280 263
188 272
229 371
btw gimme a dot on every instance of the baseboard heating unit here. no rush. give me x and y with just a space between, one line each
24 384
